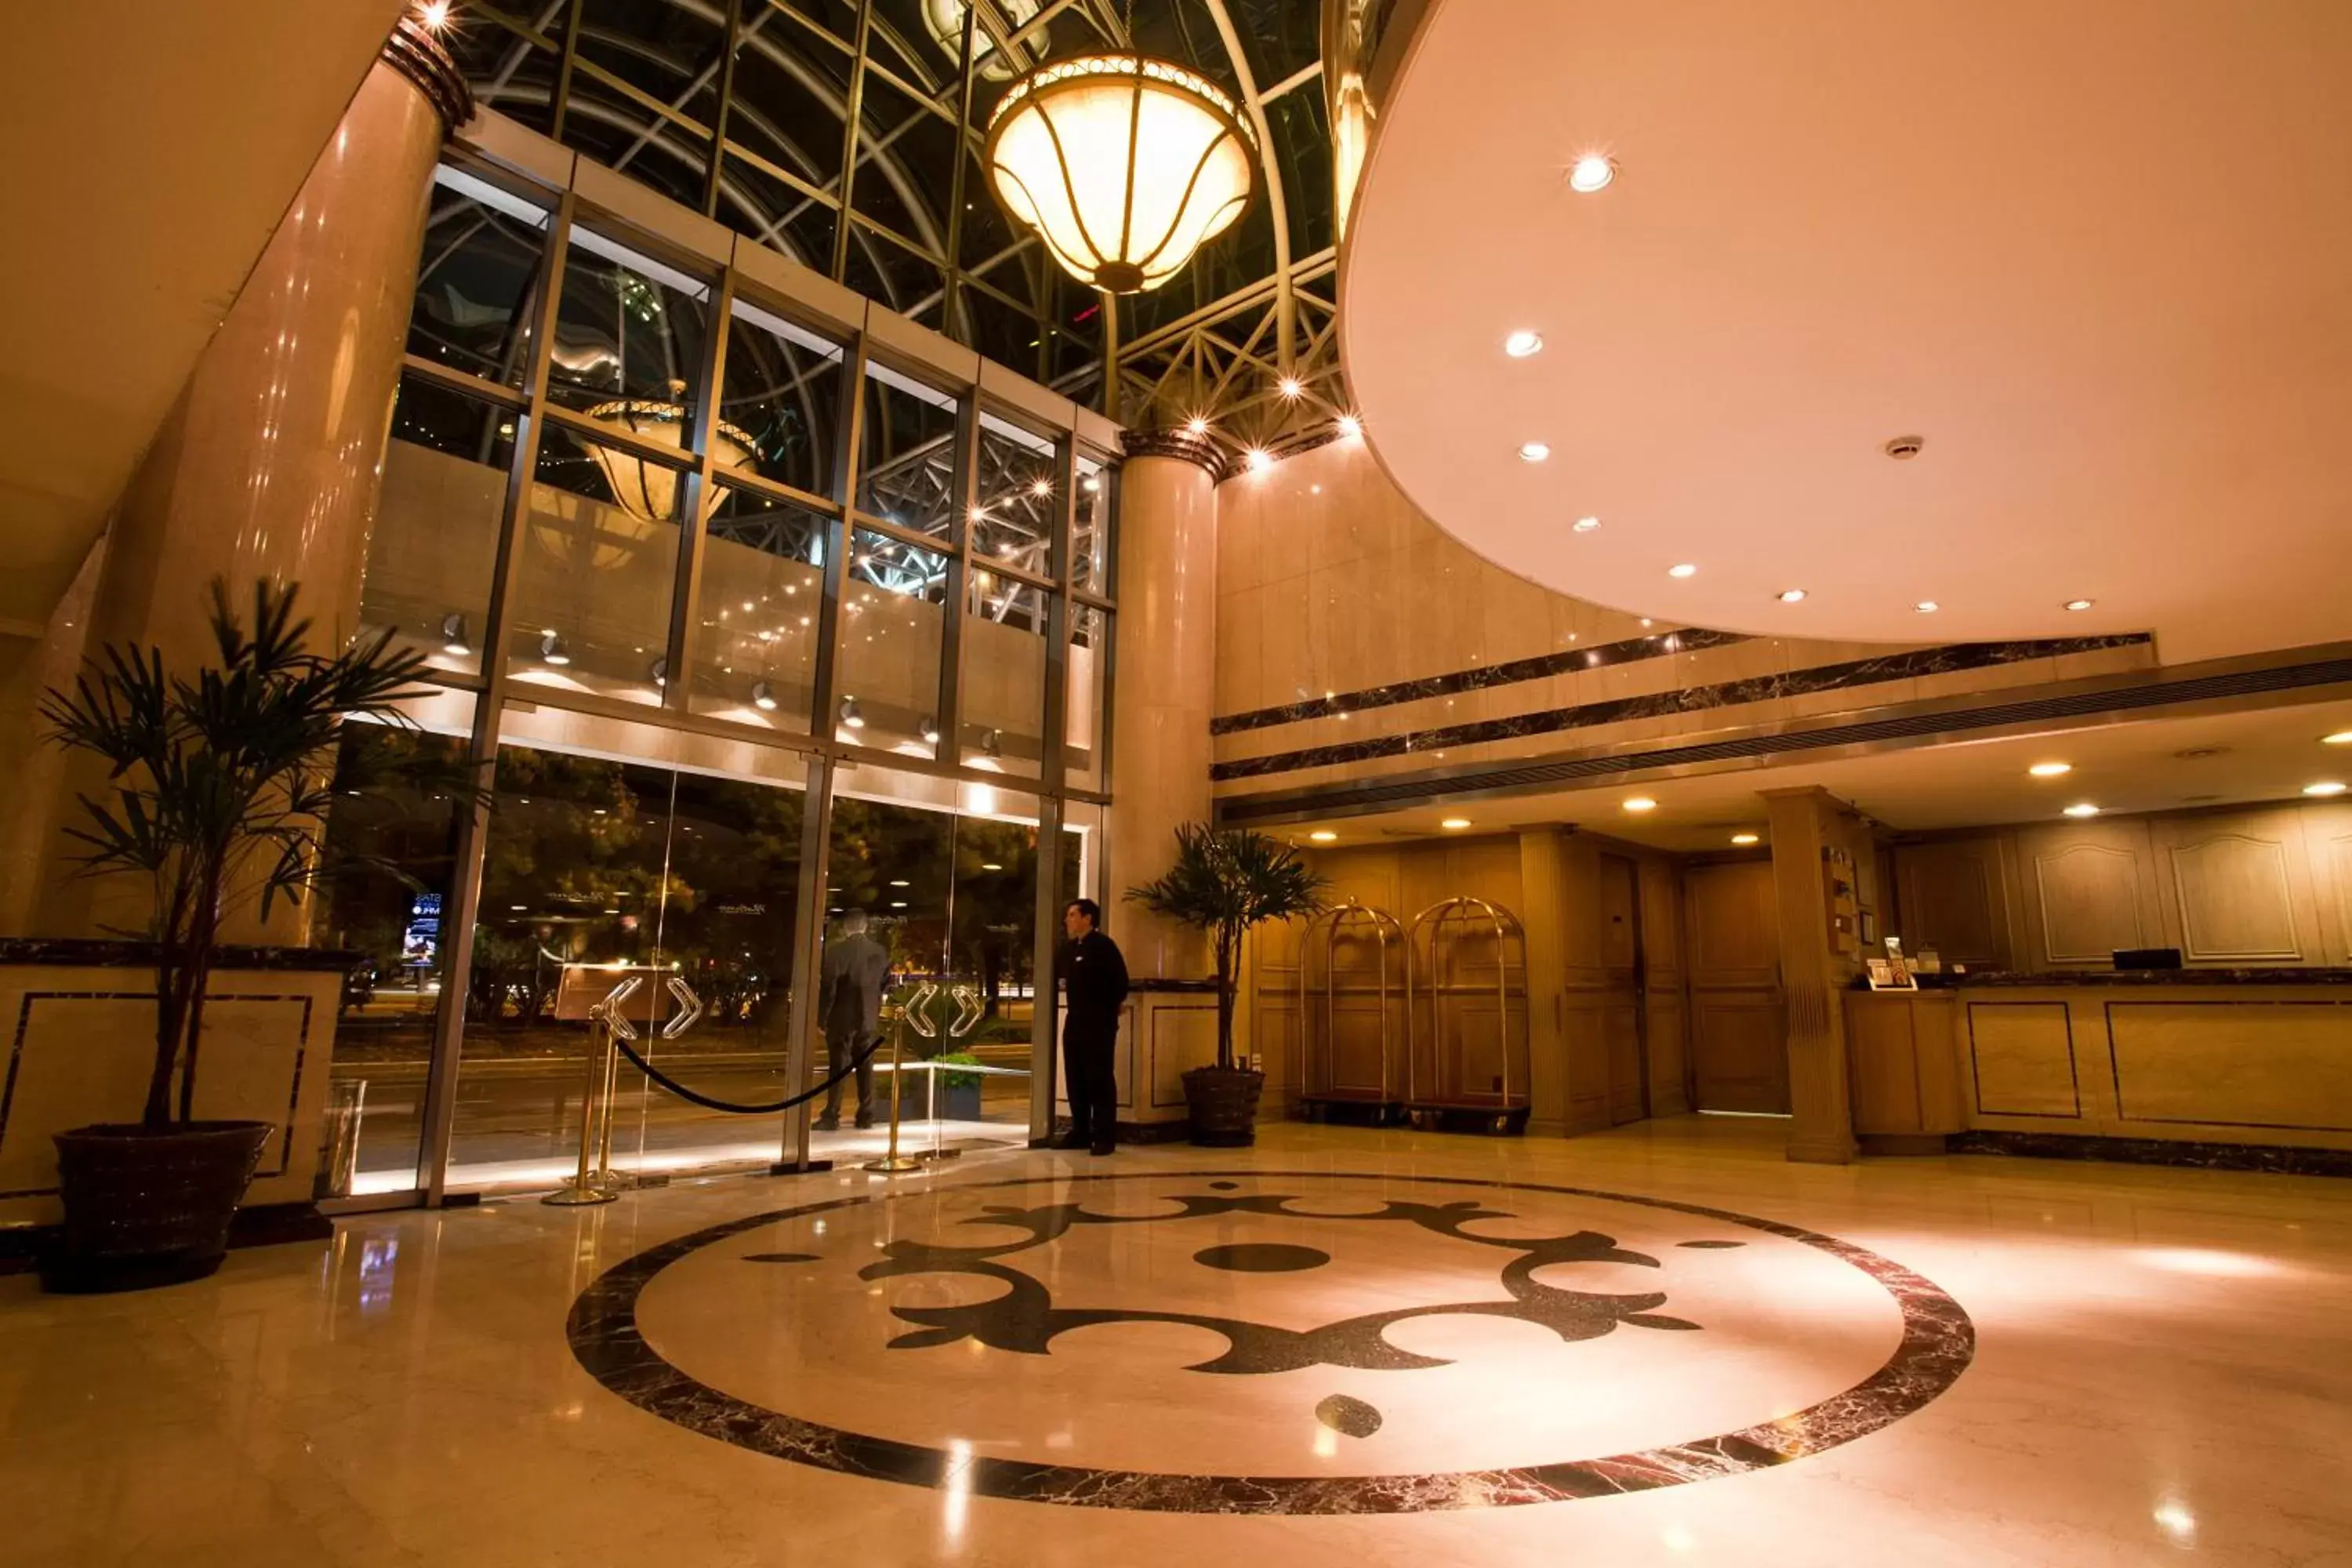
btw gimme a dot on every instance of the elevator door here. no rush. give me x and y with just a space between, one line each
1621 1006
1738 1022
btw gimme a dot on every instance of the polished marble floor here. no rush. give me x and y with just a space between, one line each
1663 1344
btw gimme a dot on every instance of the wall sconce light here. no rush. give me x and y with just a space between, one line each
552 649
764 697
851 714
658 672
928 729
993 742
454 641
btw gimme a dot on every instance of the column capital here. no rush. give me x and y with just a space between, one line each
416 51
1198 450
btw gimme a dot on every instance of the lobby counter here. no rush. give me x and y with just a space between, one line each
2259 1058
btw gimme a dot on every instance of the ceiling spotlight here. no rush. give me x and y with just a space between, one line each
2078 604
902 882
658 672
1744 839
2341 737
1792 595
1290 387
552 649
1324 835
764 697
927 728
979 514
1585 524
1926 606
852 714
1590 173
1520 345
1640 803
2325 787
2050 770
1196 427
1258 459
1350 427
1455 824
1041 489
1090 484
454 641
1533 451
433 14
2083 808
1684 570
990 865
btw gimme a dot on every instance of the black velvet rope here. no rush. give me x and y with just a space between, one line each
705 1100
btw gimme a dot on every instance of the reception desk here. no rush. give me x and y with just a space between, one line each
2246 1057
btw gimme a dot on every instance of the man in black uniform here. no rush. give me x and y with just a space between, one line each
1094 986
849 1009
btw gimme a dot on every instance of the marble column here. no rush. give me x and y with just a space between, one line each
1165 676
270 463
1812 976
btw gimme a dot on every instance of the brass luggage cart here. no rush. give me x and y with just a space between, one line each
1467 997
1353 1014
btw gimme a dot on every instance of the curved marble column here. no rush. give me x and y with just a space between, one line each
1167 632
270 463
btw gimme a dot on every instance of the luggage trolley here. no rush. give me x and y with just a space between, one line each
1466 997
1352 1013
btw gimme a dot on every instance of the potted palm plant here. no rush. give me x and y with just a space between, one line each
216 794
1224 883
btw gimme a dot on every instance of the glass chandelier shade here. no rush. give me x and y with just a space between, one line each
1124 164
647 490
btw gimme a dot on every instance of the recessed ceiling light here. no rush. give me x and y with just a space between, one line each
1640 803
1744 839
1290 387
1926 606
902 882
1196 427
1792 595
1520 345
2050 770
1684 570
1534 451
2083 808
1586 524
2341 737
2326 786
2078 604
1590 173
1323 835
1350 426
1455 824
1258 460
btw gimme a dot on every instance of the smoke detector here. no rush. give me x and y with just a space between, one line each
1903 448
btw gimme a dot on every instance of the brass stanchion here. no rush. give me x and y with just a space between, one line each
894 1163
588 1186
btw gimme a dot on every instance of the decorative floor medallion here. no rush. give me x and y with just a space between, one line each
1206 1313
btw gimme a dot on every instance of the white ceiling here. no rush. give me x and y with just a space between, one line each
150 152
2267 754
2097 252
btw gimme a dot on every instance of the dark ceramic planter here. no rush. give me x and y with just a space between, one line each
1223 1102
145 1207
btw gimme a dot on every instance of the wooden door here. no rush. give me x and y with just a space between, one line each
1739 1021
1621 1006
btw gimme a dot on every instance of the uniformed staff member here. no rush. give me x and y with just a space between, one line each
850 1003
1094 986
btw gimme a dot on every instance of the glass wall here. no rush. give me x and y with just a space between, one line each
723 548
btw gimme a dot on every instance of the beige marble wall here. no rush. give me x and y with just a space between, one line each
268 465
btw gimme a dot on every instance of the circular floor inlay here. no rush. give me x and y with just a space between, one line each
943 1337
1261 1258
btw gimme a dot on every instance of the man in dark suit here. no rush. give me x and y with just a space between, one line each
850 1003
1094 987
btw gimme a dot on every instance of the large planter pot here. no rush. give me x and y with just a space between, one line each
1223 1102
145 1207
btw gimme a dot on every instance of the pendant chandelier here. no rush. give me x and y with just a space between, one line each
1124 164
647 490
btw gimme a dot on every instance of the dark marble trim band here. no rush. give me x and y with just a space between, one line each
1198 450
105 952
1856 672
2007 980
2278 1159
1190 987
416 53
1662 645
1937 1345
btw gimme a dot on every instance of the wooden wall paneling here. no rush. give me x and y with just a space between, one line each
2328 846
2091 887
2237 887
2283 1066
1739 1051
1665 986
1948 896
1737 1025
1733 924
1543 878
2022 1058
1805 824
1882 1053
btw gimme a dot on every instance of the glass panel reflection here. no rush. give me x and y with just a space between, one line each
905 472
435 546
783 391
1090 539
593 589
755 639
893 615
1018 512
1004 676
1082 728
478 277
628 335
